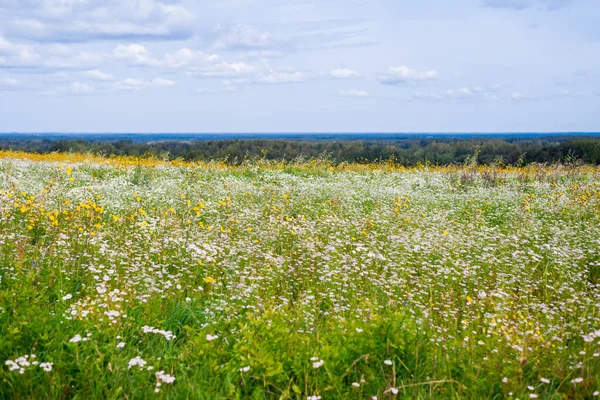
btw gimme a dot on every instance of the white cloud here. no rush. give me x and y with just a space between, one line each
79 20
138 84
563 94
243 37
230 86
281 77
45 57
225 69
98 75
195 62
16 54
159 82
403 74
476 93
135 54
462 93
131 84
489 93
8 83
186 58
6 47
427 96
343 73
262 54
81 88
354 93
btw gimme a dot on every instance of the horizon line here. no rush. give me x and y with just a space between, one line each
304 133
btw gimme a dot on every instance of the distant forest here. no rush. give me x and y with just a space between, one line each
406 151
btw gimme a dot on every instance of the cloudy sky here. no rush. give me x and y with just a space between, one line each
299 65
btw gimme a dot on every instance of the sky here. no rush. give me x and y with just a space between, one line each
299 66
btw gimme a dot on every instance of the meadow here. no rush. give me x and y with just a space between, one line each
127 278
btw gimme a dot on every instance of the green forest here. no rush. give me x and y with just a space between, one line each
405 151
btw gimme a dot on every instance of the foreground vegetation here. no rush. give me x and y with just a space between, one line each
138 278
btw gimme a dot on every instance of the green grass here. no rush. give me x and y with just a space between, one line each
300 281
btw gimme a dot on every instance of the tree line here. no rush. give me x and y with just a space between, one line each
406 151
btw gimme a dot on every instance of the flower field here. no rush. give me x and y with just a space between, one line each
140 279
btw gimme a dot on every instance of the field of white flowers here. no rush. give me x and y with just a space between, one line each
167 280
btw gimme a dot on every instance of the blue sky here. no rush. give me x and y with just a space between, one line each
299 65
